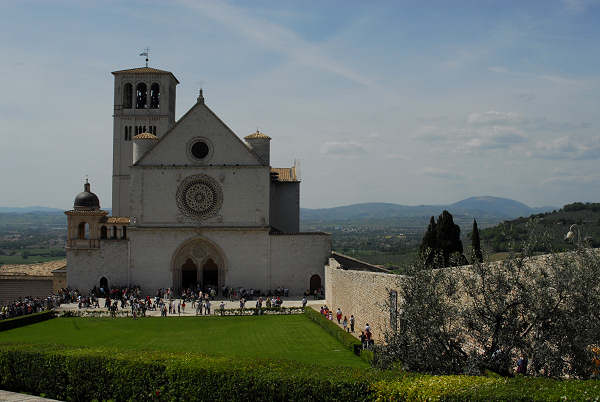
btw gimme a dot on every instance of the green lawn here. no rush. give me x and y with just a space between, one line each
292 337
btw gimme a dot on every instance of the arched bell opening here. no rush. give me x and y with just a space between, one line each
127 96
154 96
141 96
83 231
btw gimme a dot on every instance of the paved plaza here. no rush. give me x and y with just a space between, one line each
6 396
191 311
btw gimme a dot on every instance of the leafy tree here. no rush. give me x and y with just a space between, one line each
483 317
476 243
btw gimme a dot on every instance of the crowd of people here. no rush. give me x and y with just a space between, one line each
366 336
30 305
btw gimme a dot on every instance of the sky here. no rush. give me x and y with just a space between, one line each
409 102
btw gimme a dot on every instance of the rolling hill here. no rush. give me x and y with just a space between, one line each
478 207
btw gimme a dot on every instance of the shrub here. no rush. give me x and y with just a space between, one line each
26 320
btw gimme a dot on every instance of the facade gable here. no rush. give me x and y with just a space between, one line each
200 124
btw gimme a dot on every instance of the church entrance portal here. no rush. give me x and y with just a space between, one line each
210 274
104 285
198 262
189 274
315 283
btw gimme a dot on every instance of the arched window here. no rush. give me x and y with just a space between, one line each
103 232
114 232
154 96
141 95
127 96
124 233
83 231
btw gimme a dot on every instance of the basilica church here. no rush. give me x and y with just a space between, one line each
193 204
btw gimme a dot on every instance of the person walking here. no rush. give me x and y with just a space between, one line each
304 301
352 323
207 307
345 324
338 315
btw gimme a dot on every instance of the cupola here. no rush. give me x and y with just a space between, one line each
86 200
261 145
142 143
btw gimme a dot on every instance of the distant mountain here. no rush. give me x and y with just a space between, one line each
25 210
488 207
503 207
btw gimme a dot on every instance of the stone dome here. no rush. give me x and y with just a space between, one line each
86 200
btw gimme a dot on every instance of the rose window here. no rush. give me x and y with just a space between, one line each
199 196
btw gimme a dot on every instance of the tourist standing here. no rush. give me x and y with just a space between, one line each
304 301
352 323
338 315
345 324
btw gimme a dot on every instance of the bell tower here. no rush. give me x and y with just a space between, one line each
144 102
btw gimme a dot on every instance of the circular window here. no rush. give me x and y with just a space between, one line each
199 196
200 149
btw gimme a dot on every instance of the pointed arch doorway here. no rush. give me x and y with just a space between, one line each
198 263
189 274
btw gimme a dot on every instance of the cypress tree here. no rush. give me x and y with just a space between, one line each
429 245
476 243
448 236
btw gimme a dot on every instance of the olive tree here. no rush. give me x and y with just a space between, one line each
484 316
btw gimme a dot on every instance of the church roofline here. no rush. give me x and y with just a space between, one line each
182 118
145 70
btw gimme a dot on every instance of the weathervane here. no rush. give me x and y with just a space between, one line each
146 52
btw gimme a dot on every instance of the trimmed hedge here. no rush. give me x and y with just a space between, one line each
102 374
87 374
28 319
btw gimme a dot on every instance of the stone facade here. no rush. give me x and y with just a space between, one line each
361 293
194 204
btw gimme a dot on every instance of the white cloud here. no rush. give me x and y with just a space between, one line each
274 37
578 6
553 78
400 157
567 147
441 174
498 69
494 118
343 148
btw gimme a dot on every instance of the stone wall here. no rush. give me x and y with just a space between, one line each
297 257
13 288
85 267
363 294
245 196
285 206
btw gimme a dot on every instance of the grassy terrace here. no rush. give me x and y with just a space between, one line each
291 337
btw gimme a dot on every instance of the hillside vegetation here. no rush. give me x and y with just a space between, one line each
554 225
